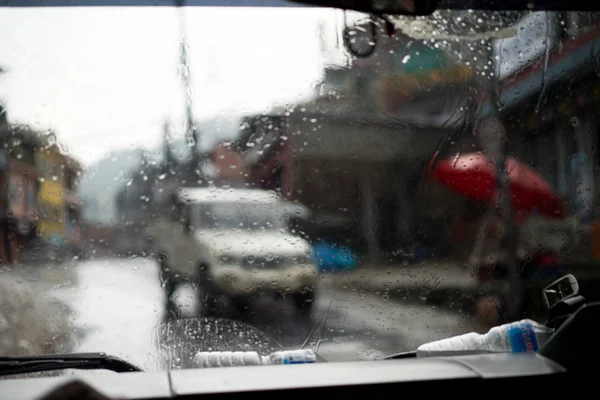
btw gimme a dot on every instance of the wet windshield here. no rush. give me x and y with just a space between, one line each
436 173
176 342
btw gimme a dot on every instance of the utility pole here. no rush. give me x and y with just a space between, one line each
492 135
509 240
169 158
191 131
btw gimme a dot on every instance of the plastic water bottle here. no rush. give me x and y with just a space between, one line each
517 337
213 359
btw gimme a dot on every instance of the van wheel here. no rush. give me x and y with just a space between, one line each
211 300
242 304
304 301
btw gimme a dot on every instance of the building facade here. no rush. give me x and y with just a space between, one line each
18 203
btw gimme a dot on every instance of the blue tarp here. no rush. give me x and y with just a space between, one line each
333 258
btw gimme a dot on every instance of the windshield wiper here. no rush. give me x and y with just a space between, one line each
52 362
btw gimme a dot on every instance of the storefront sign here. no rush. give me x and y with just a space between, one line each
50 165
52 193
528 46
422 59
51 211
409 85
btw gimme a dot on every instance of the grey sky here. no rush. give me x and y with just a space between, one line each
106 78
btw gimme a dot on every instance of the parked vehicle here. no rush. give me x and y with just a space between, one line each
235 244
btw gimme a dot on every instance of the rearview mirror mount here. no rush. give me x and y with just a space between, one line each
427 7
379 7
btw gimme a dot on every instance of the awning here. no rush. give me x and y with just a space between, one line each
407 86
566 60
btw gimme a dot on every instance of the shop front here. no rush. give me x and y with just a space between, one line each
52 218
355 167
20 224
550 109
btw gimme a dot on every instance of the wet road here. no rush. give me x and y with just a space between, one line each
117 307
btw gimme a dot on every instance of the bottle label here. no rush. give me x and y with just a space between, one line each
522 338
298 357
294 360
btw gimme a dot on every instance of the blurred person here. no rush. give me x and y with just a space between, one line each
538 263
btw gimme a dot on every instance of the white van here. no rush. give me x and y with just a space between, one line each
236 244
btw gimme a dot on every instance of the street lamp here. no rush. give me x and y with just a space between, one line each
191 131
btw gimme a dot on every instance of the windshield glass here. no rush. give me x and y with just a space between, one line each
244 216
437 173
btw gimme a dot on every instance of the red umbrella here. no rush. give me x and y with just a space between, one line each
473 175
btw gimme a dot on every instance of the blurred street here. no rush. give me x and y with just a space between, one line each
115 305
392 182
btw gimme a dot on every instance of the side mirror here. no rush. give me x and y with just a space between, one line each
563 300
562 289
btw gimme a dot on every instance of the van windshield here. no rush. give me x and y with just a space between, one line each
240 215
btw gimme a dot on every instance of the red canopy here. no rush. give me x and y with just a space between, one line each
473 175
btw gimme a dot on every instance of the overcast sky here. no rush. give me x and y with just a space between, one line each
106 78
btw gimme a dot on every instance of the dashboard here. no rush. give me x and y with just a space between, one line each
564 365
466 376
